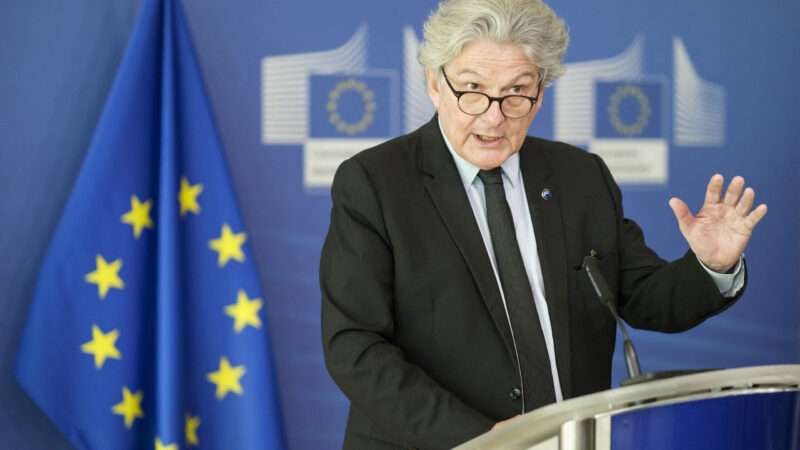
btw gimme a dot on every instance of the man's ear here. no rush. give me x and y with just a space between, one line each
433 87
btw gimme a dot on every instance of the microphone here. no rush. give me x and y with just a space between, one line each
606 297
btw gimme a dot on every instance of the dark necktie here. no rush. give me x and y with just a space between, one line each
536 374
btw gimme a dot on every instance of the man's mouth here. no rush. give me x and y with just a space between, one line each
487 139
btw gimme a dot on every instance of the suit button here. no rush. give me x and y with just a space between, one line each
515 394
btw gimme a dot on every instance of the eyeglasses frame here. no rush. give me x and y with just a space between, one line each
533 99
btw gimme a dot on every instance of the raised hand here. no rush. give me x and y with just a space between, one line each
719 233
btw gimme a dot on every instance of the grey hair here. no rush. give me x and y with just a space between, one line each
531 24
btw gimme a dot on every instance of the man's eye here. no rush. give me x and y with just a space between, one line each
517 89
472 86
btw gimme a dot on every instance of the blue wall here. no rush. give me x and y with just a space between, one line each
57 61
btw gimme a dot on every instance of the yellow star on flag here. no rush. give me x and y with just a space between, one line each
102 346
130 407
139 216
228 245
161 446
105 276
191 430
187 197
244 312
227 378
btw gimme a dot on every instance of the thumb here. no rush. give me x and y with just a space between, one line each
681 211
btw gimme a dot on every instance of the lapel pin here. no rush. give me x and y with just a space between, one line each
547 194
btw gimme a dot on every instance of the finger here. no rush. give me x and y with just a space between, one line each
681 211
746 202
714 188
734 191
755 216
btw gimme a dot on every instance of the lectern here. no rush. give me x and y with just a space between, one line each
737 409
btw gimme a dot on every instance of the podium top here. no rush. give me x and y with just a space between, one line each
543 424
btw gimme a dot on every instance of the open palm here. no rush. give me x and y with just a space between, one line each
719 233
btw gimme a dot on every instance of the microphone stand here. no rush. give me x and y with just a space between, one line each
606 297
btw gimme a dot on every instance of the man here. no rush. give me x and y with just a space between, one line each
453 297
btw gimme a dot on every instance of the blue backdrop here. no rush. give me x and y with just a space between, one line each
668 92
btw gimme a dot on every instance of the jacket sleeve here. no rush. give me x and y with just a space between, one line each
654 294
357 282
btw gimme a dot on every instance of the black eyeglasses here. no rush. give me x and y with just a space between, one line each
477 103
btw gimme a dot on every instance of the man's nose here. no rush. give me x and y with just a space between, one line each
493 115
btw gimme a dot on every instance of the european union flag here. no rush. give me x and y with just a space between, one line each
351 106
629 109
147 329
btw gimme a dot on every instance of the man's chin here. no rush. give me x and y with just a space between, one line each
488 159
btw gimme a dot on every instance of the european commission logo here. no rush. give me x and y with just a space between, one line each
613 109
333 105
352 106
628 109
629 130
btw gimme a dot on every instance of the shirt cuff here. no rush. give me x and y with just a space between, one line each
729 284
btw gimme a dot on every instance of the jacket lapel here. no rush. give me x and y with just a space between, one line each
549 230
445 189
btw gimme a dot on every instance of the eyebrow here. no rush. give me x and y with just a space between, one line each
533 75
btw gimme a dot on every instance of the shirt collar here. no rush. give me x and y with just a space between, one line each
469 171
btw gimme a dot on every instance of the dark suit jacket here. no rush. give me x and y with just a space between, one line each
414 330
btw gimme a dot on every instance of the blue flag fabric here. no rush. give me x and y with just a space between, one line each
148 329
